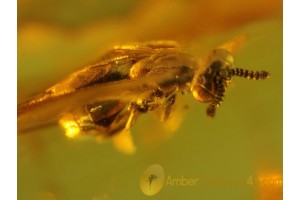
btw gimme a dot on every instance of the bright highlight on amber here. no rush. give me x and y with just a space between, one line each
71 127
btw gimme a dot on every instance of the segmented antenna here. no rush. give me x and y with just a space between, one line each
249 74
220 90
221 86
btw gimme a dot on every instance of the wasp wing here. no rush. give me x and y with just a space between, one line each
91 83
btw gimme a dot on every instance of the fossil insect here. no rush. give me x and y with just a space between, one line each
155 73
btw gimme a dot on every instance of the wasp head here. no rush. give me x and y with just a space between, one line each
209 86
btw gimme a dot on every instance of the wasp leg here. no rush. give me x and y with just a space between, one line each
212 107
123 140
168 106
159 98
132 118
170 115
154 101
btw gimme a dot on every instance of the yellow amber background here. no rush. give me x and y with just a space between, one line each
238 155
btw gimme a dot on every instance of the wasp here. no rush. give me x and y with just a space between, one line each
137 79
